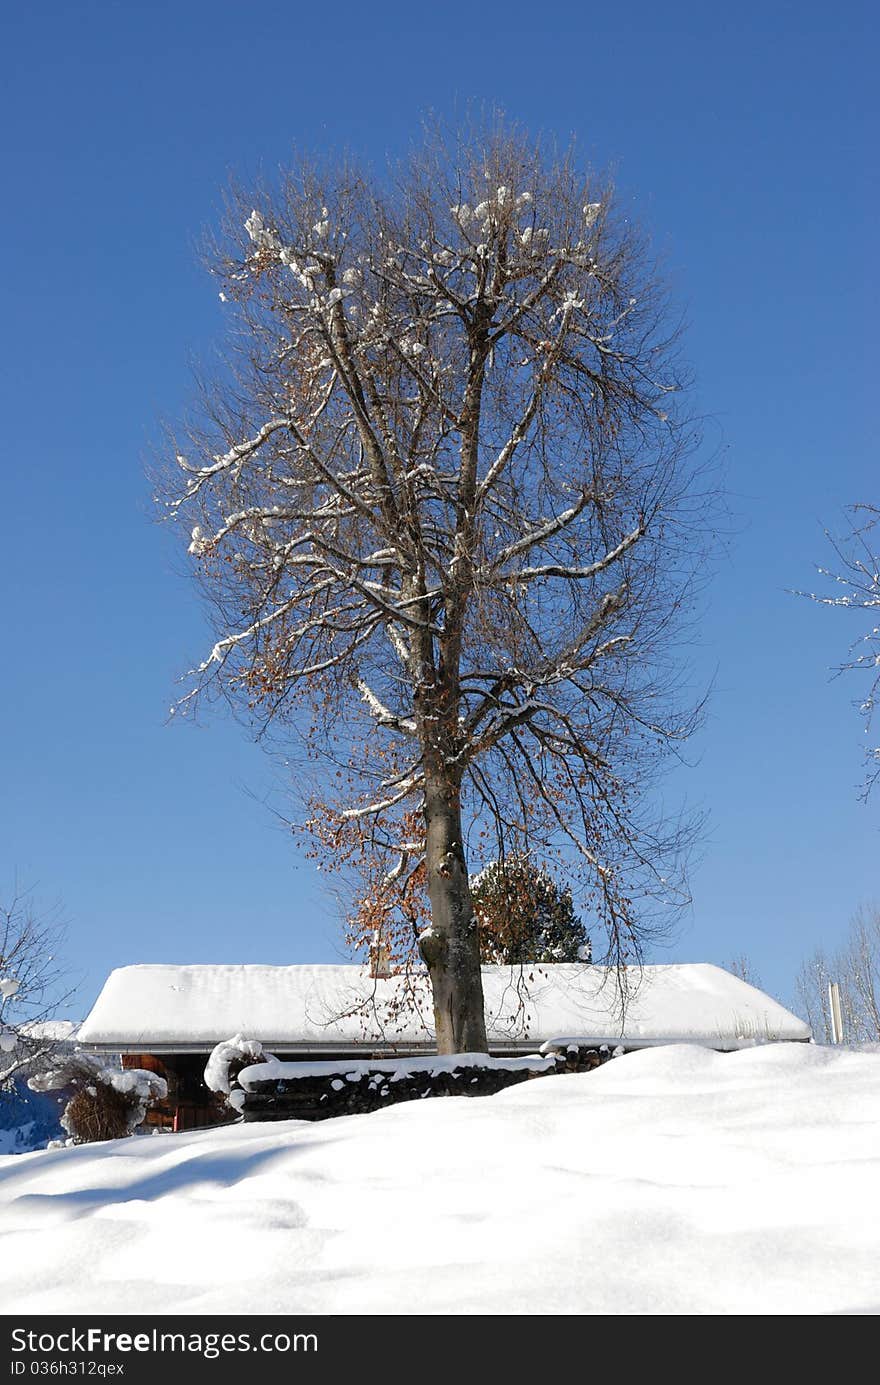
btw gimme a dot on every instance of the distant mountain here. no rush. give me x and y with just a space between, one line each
28 1120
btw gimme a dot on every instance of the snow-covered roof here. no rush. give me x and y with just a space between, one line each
51 1031
332 1009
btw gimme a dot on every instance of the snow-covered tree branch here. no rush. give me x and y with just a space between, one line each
855 586
32 987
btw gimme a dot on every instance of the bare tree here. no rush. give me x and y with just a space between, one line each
811 990
444 510
857 579
856 969
743 967
860 966
31 982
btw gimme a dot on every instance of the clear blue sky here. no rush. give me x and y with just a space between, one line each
745 138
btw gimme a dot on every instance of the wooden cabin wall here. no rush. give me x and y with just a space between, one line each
190 1105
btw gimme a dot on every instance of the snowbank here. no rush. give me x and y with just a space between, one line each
671 1181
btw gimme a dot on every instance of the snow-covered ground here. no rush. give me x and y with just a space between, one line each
672 1180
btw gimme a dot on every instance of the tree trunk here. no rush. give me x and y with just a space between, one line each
451 946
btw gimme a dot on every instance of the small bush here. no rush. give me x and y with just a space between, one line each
98 1113
106 1103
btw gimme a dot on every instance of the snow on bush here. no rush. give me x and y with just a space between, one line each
238 1049
106 1102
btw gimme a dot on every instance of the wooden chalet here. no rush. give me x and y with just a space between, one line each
169 1018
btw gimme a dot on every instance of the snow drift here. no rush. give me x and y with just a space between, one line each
674 1180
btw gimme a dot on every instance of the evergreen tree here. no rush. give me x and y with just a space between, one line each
525 916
